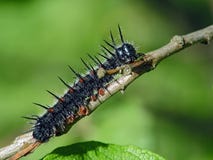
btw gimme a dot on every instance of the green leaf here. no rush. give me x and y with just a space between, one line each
100 151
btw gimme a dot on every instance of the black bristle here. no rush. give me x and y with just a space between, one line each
104 56
53 94
86 65
31 123
93 69
40 105
36 116
67 85
31 118
109 44
98 61
93 59
107 50
77 74
112 38
120 33
104 52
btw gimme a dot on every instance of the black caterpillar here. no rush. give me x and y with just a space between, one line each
87 88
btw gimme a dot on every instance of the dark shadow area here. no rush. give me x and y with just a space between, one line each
79 148
196 14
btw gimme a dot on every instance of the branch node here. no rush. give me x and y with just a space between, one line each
179 40
206 40
126 70
122 88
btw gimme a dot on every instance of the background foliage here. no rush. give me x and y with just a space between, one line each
168 111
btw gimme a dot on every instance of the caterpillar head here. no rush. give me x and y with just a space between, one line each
126 53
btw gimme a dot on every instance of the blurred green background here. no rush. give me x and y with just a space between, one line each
168 111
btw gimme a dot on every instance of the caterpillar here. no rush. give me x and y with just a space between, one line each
73 104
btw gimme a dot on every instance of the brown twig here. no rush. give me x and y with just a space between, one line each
26 143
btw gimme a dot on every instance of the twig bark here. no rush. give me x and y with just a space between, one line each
147 63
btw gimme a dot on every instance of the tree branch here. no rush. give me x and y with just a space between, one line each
26 143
